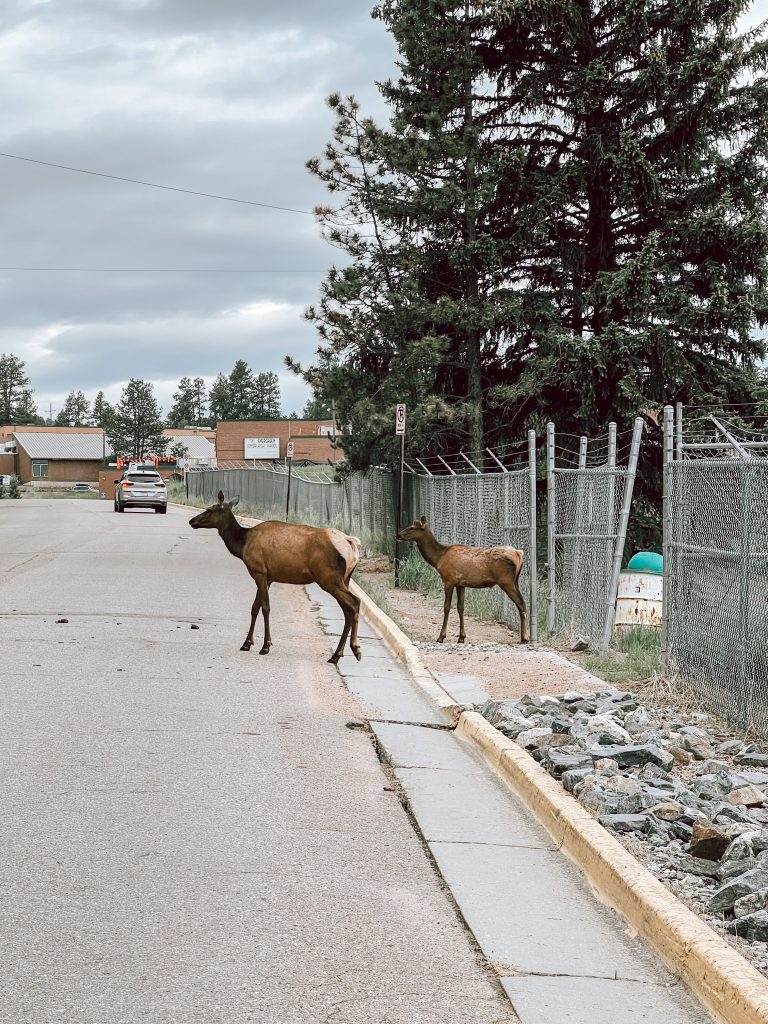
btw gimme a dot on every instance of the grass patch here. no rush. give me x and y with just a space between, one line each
635 656
78 495
379 594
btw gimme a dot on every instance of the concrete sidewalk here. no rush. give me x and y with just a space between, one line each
561 956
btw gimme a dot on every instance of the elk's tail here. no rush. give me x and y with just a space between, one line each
516 558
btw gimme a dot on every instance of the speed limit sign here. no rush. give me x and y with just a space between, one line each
400 420
289 450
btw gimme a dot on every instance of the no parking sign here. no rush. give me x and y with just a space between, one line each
399 420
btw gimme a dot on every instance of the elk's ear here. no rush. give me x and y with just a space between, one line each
220 497
234 501
423 520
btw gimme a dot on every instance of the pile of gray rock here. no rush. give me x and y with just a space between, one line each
693 803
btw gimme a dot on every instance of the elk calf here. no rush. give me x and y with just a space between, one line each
461 566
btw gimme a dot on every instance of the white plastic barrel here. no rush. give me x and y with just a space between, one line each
639 600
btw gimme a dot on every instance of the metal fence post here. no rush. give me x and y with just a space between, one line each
610 616
551 525
666 528
532 571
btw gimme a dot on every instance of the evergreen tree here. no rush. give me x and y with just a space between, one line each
565 219
419 316
102 411
234 397
317 409
188 407
14 489
267 397
26 409
76 411
17 405
641 131
136 428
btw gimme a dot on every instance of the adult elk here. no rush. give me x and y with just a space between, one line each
276 552
461 566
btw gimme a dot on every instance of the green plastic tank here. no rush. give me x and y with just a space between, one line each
646 561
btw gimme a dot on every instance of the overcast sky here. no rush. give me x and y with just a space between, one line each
225 97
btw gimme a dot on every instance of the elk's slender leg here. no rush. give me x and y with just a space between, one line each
350 606
353 641
248 642
512 591
446 611
460 607
264 591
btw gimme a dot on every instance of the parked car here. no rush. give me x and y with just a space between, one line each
141 488
81 487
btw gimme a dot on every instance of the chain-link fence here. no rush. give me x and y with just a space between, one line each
485 509
589 497
716 560
362 504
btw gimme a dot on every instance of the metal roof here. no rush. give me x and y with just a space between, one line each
41 445
197 447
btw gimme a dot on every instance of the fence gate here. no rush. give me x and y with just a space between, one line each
715 632
589 500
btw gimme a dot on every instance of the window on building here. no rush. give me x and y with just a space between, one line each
39 467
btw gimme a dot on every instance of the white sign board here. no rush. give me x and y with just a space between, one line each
289 450
400 420
261 447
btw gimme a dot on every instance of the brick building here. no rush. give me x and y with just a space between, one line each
312 441
54 455
50 456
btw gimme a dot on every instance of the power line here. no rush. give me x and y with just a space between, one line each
153 184
156 270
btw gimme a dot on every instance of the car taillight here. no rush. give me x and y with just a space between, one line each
160 485
127 483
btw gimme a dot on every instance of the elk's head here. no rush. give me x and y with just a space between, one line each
415 531
215 516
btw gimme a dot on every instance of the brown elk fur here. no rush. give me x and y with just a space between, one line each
276 552
462 566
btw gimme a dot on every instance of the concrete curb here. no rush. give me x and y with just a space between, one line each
404 650
722 980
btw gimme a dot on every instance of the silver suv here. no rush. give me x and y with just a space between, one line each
141 488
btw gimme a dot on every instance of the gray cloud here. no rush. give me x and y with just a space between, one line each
225 98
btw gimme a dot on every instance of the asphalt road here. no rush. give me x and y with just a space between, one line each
190 833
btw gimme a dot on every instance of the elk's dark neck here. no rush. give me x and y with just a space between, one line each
430 547
233 535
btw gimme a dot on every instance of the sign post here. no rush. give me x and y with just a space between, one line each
289 458
399 432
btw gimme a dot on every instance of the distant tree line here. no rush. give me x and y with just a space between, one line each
240 395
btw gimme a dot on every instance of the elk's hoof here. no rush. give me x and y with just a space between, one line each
462 639
357 653
334 659
264 650
440 639
524 640
246 646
